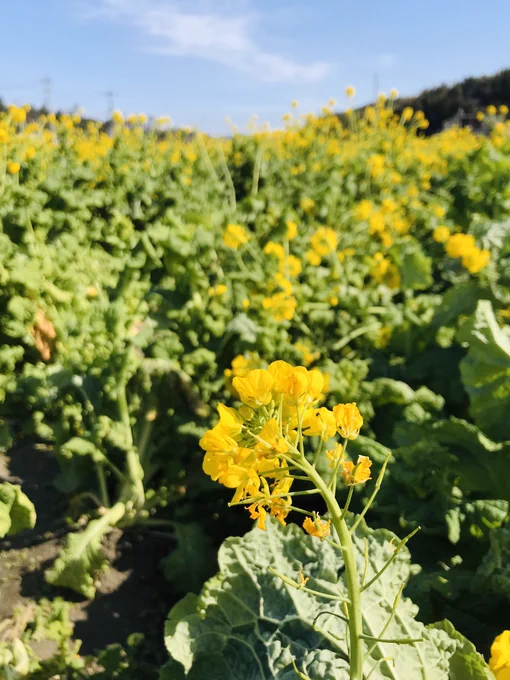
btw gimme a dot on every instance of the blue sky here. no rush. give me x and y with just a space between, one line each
202 60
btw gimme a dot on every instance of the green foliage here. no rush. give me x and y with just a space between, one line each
248 623
493 575
486 371
17 512
193 559
82 558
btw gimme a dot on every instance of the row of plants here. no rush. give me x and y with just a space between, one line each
146 273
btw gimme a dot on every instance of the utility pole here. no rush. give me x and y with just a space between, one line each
110 102
46 82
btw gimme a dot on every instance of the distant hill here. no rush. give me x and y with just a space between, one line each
442 103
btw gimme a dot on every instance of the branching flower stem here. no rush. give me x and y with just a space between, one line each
356 644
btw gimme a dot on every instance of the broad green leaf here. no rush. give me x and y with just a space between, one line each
482 464
17 512
465 662
460 299
82 558
415 266
494 572
244 327
247 624
485 371
193 559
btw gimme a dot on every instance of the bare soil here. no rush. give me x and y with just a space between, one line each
133 596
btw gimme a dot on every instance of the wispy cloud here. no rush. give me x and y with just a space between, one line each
197 29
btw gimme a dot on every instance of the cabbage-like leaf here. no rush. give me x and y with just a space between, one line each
494 573
247 624
465 662
82 557
192 560
485 371
17 512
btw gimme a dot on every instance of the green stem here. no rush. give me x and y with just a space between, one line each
355 334
374 494
299 586
397 550
133 491
347 502
356 646
144 438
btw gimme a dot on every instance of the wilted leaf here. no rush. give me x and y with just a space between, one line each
17 512
82 558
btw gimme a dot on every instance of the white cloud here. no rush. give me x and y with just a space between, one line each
194 29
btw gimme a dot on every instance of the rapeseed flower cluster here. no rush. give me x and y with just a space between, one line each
254 448
464 246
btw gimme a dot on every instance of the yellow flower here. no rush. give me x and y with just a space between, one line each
491 110
476 260
350 91
292 229
272 248
313 258
303 386
13 167
376 223
255 389
258 512
307 204
217 291
334 454
283 306
407 114
480 116
117 117
356 474
324 241
439 211
30 153
459 245
319 423
270 442
393 93
245 303
317 527
234 236
503 109
500 656
363 210
231 423
441 234
17 114
308 356
333 300
348 419
281 371
293 265
295 104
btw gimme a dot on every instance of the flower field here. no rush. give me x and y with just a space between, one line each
291 346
